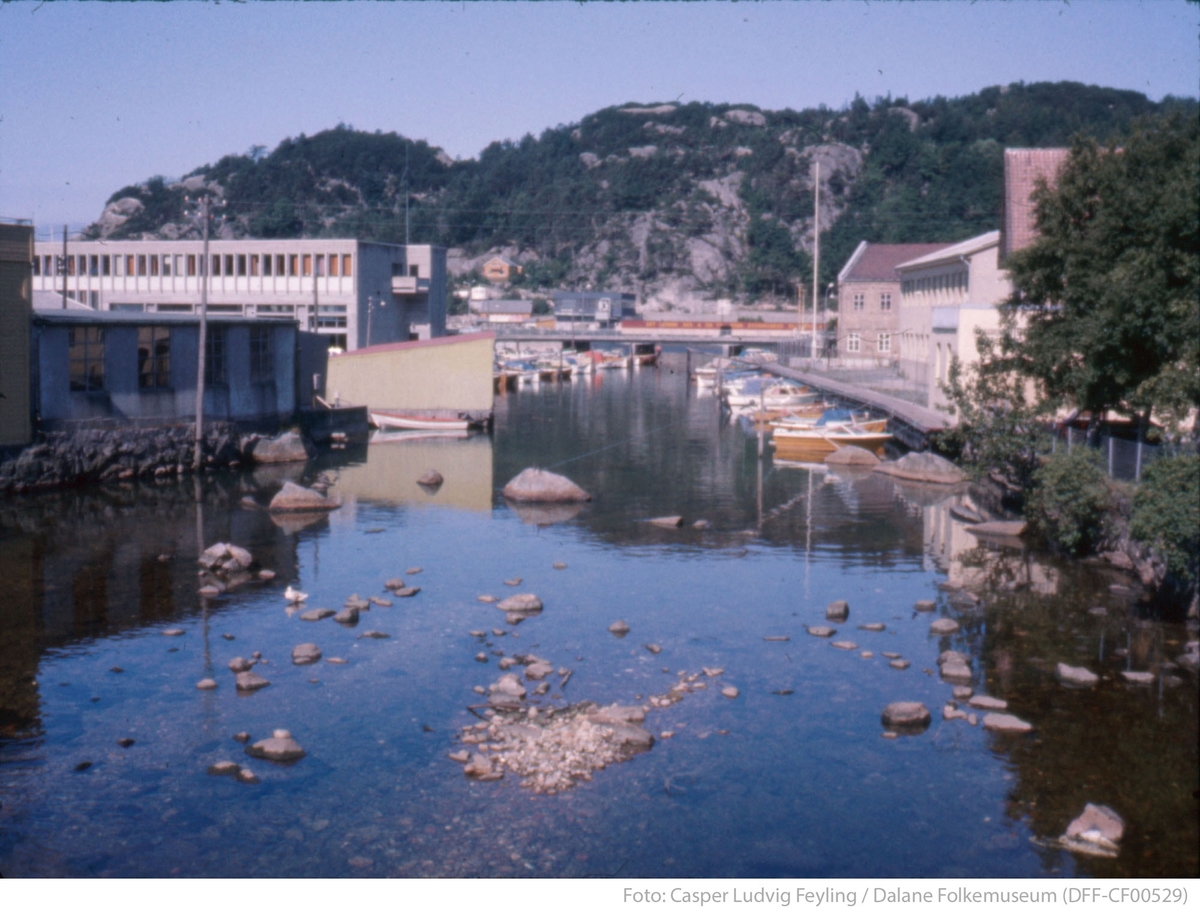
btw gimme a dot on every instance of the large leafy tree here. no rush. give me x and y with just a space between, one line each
1109 294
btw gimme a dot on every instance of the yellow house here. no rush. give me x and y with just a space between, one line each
443 378
501 269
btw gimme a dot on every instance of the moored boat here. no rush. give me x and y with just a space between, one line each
387 418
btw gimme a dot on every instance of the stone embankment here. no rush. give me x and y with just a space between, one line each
91 456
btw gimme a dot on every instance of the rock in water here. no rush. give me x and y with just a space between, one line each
289 447
316 614
251 682
280 747
838 611
240 665
1005 723
821 631
987 703
620 627
1098 818
303 654
923 467
534 485
348 616
432 479
521 604
206 685
943 627
906 716
674 520
297 498
851 456
925 606
1075 675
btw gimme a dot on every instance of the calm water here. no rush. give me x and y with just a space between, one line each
765 785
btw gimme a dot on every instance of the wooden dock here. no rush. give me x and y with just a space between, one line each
909 423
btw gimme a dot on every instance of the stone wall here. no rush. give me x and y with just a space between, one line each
97 455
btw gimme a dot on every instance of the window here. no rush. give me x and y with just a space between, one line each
37 266
83 264
320 264
885 301
93 265
241 264
216 265
253 264
346 262
85 357
166 264
228 264
130 268
70 265
94 300
154 358
337 340
859 301
279 265
261 355
853 342
308 264
331 322
333 264
267 259
141 264
153 264
885 343
191 265
106 265
293 264
215 374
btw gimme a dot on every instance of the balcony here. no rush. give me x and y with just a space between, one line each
409 285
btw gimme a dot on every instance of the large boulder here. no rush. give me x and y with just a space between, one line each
279 747
534 485
294 498
923 467
852 456
290 447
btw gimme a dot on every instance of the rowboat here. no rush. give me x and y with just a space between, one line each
386 418
770 394
815 444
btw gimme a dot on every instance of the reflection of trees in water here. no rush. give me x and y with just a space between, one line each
1134 749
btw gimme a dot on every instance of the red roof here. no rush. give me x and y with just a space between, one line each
1022 169
877 262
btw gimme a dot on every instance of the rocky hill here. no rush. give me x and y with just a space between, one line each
681 204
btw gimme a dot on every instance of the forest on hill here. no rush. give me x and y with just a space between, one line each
679 203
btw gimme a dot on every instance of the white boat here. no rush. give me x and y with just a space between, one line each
386 418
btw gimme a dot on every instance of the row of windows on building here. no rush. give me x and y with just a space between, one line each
328 316
883 342
947 282
189 265
85 357
860 301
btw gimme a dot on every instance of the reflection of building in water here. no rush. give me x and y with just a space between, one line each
395 463
971 561
91 564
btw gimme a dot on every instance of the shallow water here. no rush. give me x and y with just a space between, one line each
763 785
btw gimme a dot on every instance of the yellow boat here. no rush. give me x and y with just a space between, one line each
813 445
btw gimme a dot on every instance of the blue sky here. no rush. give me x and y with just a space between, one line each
100 95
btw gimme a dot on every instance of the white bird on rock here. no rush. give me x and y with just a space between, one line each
294 596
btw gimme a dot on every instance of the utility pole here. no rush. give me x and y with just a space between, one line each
406 199
202 360
64 267
812 354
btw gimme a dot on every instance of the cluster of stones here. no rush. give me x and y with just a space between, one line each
100 455
552 749
279 747
1096 832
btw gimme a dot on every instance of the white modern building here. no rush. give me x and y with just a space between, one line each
945 297
357 293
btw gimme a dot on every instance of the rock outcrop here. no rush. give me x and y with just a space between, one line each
534 485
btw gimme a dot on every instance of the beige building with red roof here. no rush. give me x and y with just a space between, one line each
869 302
